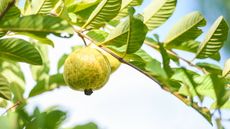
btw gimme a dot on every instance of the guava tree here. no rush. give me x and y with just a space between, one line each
112 33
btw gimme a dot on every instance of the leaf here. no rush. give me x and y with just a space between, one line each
124 8
211 68
61 61
220 91
97 35
50 119
104 12
9 121
145 62
165 60
5 6
189 46
77 6
5 88
39 6
153 44
129 34
36 24
158 12
189 84
19 50
12 12
41 38
185 29
89 125
41 72
214 39
226 69
55 81
15 77
3 103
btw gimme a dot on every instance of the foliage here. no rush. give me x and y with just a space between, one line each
114 27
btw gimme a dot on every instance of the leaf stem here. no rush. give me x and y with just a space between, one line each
13 106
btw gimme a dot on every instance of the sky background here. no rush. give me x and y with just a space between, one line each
129 100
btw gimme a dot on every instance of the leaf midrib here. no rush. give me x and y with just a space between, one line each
95 15
159 8
175 37
209 38
15 56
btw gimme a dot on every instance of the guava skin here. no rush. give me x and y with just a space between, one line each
86 69
114 62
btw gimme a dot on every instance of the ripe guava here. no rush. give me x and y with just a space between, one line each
86 69
114 62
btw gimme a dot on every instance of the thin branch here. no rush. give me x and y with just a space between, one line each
13 106
82 37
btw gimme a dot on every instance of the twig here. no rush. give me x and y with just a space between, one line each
13 106
82 37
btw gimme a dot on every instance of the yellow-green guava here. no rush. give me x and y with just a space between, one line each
114 62
86 69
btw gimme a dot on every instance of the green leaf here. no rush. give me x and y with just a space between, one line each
19 50
61 62
153 44
89 125
77 6
145 62
129 34
189 84
214 39
49 119
211 68
9 121
165 60
158 12
220 91
36 24
3 103
5 6
104 12
55 81
15 77
39 6
41 38
41 72
97 35
189 46
12 12
226 69
124 8
185 30
5 88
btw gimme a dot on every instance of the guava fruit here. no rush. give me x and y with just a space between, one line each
114 62
86 69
